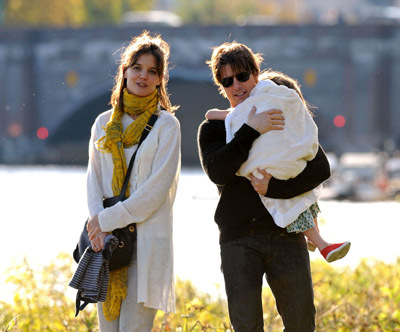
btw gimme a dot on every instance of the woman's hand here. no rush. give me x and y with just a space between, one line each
93 227
98 242
266 121
261 185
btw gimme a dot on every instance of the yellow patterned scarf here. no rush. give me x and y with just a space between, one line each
114 142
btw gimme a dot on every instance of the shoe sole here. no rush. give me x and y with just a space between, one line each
338 253
311 246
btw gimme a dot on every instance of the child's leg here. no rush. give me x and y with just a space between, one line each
331 252
315 237
316 224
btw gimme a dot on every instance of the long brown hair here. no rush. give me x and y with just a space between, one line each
139 45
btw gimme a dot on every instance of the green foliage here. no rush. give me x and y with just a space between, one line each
78 13
364 299
196 311
44 13
68 13
40 303
216 12
219 12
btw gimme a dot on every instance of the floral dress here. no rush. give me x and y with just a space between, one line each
305 220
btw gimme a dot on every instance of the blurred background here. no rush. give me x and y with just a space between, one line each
58 59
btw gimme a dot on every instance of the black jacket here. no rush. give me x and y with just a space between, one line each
240 209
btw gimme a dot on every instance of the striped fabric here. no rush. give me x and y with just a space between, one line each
91 275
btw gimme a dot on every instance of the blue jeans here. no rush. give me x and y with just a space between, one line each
284 259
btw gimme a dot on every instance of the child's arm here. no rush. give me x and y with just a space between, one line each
216 114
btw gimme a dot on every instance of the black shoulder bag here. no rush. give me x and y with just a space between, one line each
121 256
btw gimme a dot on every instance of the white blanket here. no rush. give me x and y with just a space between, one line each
282 153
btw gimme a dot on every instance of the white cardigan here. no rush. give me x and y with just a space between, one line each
153 185
283 154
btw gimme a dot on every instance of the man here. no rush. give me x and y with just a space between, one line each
251 244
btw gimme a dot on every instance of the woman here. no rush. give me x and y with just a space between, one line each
137 291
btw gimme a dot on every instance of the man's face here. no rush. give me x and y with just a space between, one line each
238 91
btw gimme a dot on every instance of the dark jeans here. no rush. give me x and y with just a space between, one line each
284 259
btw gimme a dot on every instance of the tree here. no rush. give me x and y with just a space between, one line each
216 12
44 13
67 13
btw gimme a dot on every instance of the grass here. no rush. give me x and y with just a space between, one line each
363 299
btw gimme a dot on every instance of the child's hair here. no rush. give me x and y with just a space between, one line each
282 79
139 45
238 56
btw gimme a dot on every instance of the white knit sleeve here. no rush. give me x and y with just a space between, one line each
93 177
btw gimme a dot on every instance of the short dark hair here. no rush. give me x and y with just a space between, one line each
240 57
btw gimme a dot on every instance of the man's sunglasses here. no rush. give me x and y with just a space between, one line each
241 77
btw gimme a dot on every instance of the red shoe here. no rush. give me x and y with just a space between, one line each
335 251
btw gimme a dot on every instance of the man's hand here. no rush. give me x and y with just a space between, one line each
266 121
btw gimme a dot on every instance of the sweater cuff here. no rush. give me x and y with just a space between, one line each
247 134
276 189
114 217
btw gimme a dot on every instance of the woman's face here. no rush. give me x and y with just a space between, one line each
142 77
238 91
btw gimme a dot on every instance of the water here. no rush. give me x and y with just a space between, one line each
43 208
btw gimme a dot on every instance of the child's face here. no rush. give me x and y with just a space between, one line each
238 91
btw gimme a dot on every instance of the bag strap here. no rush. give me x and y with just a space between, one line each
146 131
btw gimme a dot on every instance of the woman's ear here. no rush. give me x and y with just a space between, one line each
160 79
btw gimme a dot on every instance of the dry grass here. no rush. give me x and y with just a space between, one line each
364 299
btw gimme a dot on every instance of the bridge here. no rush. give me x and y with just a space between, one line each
54 82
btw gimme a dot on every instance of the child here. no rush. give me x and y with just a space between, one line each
279 91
